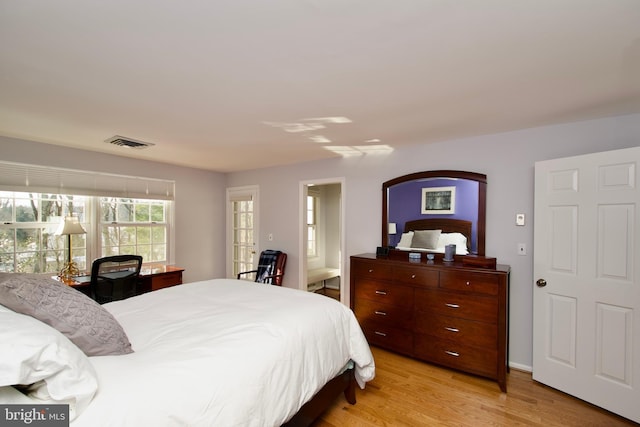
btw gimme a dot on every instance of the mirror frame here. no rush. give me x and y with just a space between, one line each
472 176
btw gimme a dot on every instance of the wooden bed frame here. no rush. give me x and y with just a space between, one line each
310 411
444 224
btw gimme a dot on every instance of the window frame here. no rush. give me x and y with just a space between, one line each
91 219
312 226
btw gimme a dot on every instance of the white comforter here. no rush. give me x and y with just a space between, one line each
223 353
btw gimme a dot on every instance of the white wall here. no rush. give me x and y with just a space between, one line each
200 199
332 225
508 161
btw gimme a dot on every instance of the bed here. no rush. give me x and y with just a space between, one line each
216 352
435 234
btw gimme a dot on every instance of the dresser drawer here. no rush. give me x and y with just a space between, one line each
467 332
480 361
472 307
165 280
470 282
371 270
385 293
415 276
389 315
395 339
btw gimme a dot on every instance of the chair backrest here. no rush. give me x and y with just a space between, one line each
271 267
114 277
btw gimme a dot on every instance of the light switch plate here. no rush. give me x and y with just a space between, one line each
520 219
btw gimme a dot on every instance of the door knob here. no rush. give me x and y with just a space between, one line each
541 283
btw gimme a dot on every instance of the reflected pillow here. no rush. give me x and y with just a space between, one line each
426 239
405 240
457 239
87 324
43 363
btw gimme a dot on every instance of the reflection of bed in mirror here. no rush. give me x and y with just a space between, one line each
453 231
403 200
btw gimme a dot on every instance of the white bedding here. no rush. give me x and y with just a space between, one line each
458 239
459 250
223 352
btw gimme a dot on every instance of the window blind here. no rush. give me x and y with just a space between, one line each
46 179
240 197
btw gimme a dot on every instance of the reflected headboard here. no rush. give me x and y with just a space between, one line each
444 224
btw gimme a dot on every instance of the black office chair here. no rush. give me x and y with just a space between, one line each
270 267
114 277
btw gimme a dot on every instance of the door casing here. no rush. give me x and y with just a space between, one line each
304 185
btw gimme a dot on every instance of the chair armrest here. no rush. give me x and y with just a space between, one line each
246 272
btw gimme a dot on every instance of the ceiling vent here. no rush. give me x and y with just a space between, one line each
128 142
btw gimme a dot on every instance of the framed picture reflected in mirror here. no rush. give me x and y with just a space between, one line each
438 200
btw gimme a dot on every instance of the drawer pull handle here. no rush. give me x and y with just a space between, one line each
452 329
380 313
371 270
413 276
382 334
381 292
468 283
452 353
452 305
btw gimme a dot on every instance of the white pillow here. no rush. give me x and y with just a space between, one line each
50 368
12 396
457 239
405 240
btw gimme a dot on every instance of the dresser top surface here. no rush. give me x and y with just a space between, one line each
438 262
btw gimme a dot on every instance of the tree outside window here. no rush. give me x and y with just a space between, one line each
134 226
28 221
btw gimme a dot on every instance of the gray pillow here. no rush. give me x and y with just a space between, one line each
425 239
87 324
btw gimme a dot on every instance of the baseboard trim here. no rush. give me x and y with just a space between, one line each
521 367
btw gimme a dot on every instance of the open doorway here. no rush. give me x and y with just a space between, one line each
322 216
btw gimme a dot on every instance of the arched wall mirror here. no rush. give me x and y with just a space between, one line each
453 201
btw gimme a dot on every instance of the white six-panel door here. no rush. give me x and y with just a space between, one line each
586 339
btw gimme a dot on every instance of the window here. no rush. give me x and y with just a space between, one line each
28 222
134 226
312 226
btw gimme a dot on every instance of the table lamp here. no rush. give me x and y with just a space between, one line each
392 231
69 226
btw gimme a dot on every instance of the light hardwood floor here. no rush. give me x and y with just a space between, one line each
406 392
332 293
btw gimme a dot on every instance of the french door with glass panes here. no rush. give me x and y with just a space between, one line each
242 229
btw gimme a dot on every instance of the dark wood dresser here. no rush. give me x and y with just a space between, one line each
441 312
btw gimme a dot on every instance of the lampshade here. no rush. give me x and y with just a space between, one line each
70 225
392 228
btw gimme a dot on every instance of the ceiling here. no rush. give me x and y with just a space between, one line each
230 85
